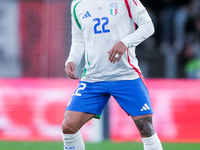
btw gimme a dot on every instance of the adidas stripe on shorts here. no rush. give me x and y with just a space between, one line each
131 95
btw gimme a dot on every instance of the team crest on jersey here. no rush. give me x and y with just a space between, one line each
113 9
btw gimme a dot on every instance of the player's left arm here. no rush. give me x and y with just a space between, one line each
145 29
145 26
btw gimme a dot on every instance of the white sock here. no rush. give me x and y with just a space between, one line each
152 143
73 141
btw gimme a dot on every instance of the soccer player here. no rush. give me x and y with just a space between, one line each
106 32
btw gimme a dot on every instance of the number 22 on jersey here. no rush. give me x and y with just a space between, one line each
100 26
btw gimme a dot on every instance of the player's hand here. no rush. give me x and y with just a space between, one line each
70 70
116 52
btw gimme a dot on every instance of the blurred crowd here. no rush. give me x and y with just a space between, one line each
177 35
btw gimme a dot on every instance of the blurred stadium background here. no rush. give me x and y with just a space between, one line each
34 90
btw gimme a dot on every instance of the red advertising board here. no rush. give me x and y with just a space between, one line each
33 109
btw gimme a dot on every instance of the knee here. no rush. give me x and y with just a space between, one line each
145 126
68 128
147 131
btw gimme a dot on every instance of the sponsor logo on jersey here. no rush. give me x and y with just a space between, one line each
99 8
141 12
86 15
113 9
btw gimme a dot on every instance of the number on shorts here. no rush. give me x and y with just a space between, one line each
80 88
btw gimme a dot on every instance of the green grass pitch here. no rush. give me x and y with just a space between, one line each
106 145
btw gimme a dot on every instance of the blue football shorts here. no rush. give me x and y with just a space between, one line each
131 95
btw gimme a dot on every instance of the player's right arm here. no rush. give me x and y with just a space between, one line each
78 44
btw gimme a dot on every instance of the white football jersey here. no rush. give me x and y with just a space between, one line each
97 25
